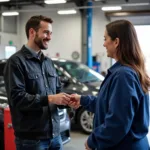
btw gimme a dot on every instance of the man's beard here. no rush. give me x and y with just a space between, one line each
39 43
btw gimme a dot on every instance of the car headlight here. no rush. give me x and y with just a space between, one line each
85 88
94 93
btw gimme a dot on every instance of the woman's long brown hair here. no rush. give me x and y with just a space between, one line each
128 51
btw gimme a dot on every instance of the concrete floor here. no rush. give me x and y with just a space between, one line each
78 139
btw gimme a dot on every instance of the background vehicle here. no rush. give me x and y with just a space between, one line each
64 119
80 79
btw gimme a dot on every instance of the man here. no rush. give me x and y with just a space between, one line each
32 87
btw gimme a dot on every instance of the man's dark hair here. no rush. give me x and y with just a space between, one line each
34 22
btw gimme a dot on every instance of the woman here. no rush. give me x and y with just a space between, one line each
122 106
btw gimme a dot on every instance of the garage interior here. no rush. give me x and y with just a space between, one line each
70 39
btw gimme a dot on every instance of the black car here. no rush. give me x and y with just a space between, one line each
76 78
79 78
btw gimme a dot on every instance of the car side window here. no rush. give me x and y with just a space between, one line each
59 73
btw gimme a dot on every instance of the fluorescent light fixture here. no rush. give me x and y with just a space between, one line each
111 8
55 1
4 0
135 4
10 13
66 12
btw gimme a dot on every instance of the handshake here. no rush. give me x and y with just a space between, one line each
72 100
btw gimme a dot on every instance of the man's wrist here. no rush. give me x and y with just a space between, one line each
50 98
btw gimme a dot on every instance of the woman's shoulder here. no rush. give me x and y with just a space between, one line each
126 72
126 69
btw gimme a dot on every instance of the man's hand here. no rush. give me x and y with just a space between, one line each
59 99
74 101
86 146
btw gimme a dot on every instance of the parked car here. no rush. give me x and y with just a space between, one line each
76 78
64 118
79 78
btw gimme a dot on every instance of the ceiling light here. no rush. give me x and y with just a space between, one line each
135 4
66 12
10 14
111 8
4 0
55 1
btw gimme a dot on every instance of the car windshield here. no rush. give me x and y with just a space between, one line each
80 71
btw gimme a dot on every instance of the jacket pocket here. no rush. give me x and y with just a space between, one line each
35 83
52 81
34 76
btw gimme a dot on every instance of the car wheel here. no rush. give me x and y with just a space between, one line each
85 120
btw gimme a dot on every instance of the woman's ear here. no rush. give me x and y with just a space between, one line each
117 42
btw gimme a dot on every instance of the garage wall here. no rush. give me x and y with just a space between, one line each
99 23
136 20
9 31
10 24
6 37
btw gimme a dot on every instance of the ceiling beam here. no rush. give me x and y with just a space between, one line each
128 13
22 3
79 3
34 2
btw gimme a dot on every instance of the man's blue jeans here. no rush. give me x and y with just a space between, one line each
54 144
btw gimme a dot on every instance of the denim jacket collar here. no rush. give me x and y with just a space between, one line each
29 54
114 67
